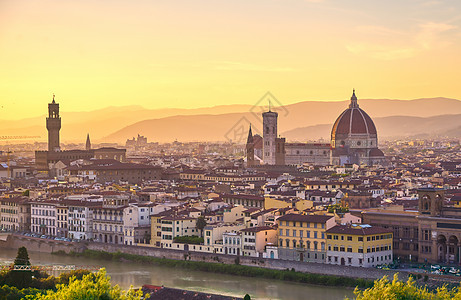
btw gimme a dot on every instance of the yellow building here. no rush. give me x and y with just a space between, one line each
156 230
270 202
359 245
302 237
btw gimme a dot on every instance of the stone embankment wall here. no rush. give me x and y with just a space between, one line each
39 245
48 246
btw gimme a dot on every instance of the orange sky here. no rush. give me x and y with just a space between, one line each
97 53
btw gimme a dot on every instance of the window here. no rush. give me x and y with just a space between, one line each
406 232
349 238
426 235
360 238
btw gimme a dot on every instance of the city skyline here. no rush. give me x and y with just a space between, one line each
184 55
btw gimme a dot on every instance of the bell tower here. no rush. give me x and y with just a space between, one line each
269 137
53 124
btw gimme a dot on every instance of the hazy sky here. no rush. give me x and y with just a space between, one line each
96 53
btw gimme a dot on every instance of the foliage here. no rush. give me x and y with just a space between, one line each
189 240
384 289
20 278
91 286
13 293
26 193
337 208
22 258
232 269
201 223
247 297
64 278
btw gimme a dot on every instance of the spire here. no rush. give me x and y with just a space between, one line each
250 136
53 100
354 103
88 143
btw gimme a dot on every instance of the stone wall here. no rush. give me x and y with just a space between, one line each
39 245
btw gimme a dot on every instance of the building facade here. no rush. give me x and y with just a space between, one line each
430 235
43 218
302 237
15 214
359 245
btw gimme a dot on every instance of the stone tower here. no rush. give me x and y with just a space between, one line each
53 124
250 147
269 136
88 143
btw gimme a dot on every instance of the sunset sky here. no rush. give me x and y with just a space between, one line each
98 53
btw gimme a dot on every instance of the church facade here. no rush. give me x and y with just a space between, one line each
354 140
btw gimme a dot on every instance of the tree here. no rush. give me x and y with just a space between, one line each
22 258
247 297
389 290
91 286
21 278
201 223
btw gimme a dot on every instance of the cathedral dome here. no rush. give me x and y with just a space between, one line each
353 120
376 153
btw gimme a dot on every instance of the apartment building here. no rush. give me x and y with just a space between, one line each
302 237
15 214
359 245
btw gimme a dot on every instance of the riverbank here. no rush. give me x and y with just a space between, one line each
49 246
235 269
137 274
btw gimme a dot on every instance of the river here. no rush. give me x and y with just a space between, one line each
136 274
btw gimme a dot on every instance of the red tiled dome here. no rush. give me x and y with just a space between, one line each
353 120
376 153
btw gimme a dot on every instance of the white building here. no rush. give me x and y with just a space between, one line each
232 243
80 218
43 218
136 223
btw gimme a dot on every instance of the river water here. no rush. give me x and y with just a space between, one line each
136 274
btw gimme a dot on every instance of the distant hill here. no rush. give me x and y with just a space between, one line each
299 121
391 127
